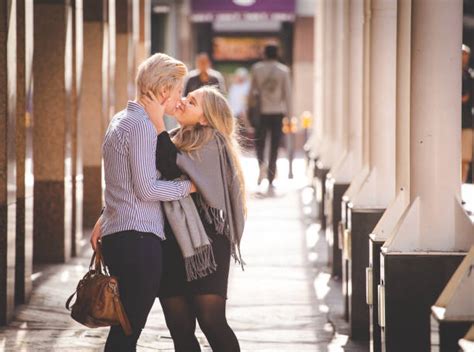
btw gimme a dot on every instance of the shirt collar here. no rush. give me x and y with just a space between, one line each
134 106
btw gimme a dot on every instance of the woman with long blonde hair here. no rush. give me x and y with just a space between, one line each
201 238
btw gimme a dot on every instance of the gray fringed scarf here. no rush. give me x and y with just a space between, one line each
211 169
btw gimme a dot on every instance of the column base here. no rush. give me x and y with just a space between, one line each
361 222
320 181
334 192
372 281
445 335
410 285
52 233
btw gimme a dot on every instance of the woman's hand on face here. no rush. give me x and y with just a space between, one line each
155 110
95 236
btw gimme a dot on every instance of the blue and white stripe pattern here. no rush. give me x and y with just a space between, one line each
133 191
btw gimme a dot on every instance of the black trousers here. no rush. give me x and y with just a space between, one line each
269 124
135 258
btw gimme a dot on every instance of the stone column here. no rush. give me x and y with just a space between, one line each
378 189
144 39
76 159
394 212
126 44
317 136
8 92
110 57
434 232
24 148
94 104
328 152
52 66
339 176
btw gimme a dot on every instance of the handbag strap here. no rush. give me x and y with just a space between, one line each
123 319
68 302
97 261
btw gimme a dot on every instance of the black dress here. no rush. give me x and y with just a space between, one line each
173 280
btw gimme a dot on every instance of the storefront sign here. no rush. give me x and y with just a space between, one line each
236 10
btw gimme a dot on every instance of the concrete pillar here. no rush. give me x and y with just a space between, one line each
303 65
434 232
127 34
364 85
76 151
339 176
24 149
358 90
378 189
52 66
8 92
326 152
95 107
436 220
348 95
144 38
110 58
394 212
316 139
329 146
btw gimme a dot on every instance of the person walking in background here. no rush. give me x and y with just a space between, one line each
203 75
467 117
270 90
238 93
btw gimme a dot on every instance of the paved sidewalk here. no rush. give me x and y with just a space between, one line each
283 301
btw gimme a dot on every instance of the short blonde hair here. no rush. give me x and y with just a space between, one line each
159 71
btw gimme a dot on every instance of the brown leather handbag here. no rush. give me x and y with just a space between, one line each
98 301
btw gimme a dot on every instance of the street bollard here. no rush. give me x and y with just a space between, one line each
289 129
306 123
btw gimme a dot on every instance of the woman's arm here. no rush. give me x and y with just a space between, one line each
166 153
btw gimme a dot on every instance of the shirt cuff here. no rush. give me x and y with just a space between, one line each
186 187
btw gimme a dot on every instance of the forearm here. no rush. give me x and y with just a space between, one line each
164 191
166 153
144 177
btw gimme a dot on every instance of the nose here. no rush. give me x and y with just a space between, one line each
181 102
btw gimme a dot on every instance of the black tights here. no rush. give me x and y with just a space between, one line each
209 310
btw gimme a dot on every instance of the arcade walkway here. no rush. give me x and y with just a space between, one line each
282 302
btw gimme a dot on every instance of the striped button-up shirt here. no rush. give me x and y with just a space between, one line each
133 190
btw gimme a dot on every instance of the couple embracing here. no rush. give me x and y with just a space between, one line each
174 208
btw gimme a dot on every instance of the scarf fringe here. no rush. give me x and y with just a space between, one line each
201 264
218 218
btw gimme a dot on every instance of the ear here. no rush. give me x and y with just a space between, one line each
163 92
203 121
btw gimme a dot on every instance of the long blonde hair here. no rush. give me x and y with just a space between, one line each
219 118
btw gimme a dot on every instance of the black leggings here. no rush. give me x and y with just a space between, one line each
273 125
135 259
209 310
